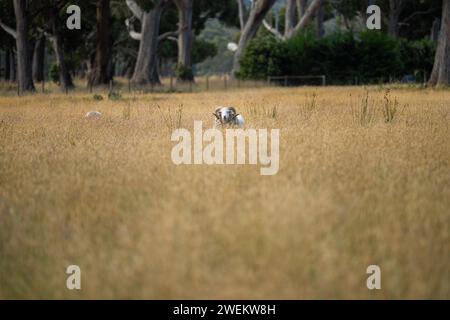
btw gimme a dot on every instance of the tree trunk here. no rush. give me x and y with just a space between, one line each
395 9
435 30
241 7
38 59
320 31
440 76
289 19
257 14
307 16
147 60
25 75
65 80
101 71
185 38
301 8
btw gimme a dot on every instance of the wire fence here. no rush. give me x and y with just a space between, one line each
201 84
295 81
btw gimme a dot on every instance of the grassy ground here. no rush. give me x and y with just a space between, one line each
357 186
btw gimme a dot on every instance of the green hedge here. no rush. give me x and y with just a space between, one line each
368 57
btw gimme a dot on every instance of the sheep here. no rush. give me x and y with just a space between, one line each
227 116
93 115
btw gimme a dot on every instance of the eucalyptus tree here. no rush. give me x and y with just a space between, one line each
23 49
101 72
148 13
440 75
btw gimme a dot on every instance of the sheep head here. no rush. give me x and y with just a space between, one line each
225 115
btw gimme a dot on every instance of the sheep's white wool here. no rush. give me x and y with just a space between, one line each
227 116
93 115
239 121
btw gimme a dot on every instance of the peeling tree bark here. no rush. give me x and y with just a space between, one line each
440 76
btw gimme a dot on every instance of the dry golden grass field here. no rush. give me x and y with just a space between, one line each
357 186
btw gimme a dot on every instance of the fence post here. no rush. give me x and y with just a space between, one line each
285 81
190 86
207 82
110 87
225 82
171 82
129 85
43 85
324 80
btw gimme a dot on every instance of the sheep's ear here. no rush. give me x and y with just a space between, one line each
217 110
216 115
233 110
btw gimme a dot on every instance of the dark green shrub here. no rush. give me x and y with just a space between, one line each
368 57
380 57
184 73
53 73
417 56
202 50
263 57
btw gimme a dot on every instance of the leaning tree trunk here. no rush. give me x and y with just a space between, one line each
101 72
257 14
241 9
65 80
24 71
301 8
38 59
310 11
289 19
440 76
185 39
144 71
